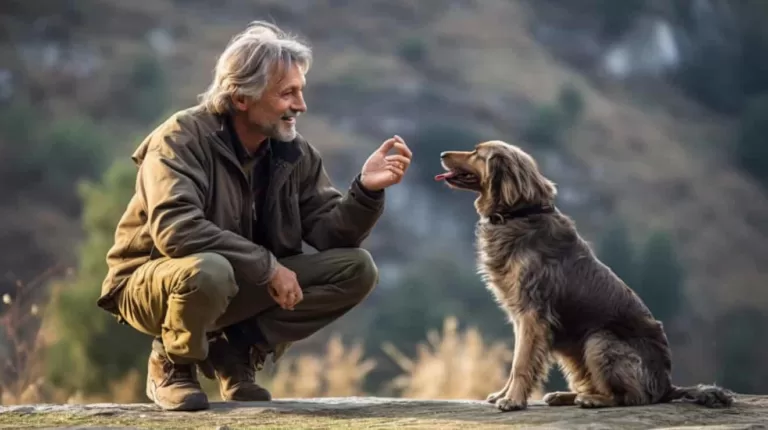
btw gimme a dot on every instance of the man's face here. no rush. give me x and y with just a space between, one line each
274 114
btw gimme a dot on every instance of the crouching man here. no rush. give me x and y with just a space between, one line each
208 255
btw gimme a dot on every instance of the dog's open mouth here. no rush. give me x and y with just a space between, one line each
459 178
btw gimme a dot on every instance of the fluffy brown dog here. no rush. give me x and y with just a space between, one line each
563 302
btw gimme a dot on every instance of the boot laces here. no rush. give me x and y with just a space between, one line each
249 368
178 372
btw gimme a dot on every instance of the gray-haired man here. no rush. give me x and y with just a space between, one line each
208 255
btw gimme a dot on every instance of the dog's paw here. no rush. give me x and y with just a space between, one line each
493 397
508 405
559 398
592 401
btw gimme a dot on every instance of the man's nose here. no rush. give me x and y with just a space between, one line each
301 106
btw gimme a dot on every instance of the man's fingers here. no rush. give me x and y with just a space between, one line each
396 167
285 301
387 145
399 164
403 149
399 173
405 161
282 297
293 296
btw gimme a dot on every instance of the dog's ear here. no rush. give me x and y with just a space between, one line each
512 180
501 180
532 185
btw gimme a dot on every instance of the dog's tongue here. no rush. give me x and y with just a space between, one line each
442 176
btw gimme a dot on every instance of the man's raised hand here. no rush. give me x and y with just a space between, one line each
381 170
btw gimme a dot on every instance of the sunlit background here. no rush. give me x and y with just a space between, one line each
651 116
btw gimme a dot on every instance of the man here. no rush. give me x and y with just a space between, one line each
208 256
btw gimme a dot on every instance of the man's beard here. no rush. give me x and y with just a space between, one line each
280 130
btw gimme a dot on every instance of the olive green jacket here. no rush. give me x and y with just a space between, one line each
192 195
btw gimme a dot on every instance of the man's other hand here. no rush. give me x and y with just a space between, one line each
382 170
284 287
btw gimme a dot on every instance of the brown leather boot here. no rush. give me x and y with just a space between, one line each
174 387
234 366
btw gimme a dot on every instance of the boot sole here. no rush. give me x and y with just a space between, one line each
246 399
237 396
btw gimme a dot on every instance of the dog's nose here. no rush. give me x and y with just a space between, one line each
443 154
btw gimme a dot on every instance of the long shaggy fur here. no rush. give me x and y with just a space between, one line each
564 304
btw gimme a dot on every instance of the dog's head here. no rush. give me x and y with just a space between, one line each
504 175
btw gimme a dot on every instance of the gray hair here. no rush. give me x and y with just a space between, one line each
250 58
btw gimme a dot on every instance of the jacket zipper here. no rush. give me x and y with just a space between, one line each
246 215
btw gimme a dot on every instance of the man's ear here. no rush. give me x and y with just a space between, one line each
240 102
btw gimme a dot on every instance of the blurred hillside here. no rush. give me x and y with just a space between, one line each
650 116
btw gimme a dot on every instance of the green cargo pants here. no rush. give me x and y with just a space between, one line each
182 300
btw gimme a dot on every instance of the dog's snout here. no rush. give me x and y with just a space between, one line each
443 154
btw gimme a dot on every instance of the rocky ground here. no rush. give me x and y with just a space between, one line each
749 412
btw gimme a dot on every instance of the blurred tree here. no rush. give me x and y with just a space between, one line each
545 127
92 349
660 277
723 65
413 50
429 291
751 152
550 122
615 250
49 156
571 103
147 93
616 16
740 350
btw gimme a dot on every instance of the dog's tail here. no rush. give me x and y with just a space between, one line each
710 396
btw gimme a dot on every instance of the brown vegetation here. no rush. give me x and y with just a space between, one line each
455 365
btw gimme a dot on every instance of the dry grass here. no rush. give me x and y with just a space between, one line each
340 372
456 366
451 365
21 364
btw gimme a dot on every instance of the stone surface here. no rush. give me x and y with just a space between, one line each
749 412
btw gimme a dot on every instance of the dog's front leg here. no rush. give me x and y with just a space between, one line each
493 397
529 364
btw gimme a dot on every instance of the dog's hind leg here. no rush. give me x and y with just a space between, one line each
617 372
530 364
575 372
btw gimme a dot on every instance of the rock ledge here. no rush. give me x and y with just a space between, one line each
749 412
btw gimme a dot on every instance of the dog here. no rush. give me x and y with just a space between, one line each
565 305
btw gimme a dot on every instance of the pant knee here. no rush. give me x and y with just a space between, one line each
363 270
209 275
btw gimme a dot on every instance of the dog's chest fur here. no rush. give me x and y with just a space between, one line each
503 265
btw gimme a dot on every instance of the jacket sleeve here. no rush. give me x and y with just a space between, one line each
331 219
172 184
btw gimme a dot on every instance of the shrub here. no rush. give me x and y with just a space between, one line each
551 121
660 277
751 152
90 347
